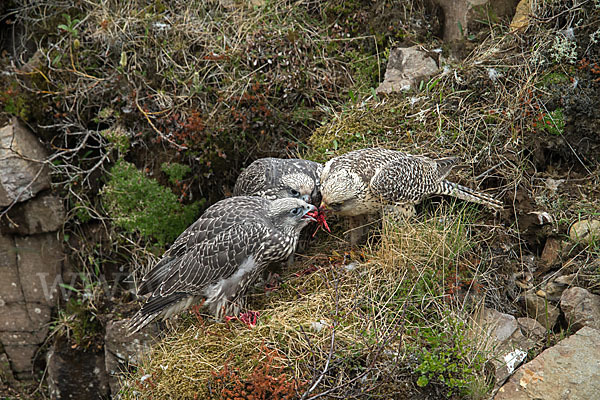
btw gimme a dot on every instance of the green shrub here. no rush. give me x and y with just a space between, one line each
448 358
175 171
137 203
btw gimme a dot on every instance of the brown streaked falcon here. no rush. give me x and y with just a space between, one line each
367 181
220 255
276 178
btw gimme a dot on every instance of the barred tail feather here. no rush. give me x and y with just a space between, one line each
139 321
467 194
164 306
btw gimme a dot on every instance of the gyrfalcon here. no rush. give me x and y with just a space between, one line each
275 178
220 255
367 181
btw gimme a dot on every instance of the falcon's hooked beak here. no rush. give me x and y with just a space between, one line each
310 213
306 198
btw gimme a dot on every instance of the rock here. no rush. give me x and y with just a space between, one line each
521 19
503 340
27 265
21 157
39 314
122 350
14 318
540 309
585 231
532 329
24 338
23 327
499 326
76 373
407 67
10 284
554 290
551 253
566 279
568 370
40 263
21 357
44 213
581 308
6 374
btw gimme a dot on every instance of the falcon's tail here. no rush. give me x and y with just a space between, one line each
139 321
155 307
467 194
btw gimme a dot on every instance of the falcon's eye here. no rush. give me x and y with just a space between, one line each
335 206
295 193
296 211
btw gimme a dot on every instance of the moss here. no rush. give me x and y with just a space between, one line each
553 122
140 204
555 78
15 102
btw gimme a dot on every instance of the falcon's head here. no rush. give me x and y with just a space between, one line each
342 191
291 215
299 186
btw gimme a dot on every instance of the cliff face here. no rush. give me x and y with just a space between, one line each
31 252
122 121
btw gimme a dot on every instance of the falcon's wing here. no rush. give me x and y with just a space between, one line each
217 218
404 180
204 263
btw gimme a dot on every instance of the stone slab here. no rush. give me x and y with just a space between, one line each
14 318
21 156
40 262
74 372
10 284
123 350
569 370
21 357
44 213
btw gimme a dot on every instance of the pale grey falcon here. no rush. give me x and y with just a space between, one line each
275 178
219 256
368 181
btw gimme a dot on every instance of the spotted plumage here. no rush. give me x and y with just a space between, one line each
367 181
276 178
219 256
